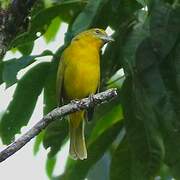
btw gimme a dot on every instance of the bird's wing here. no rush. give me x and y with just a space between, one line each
59 82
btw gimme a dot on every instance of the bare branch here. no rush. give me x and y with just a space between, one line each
13 21
56 114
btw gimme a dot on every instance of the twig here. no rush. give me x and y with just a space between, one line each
56 114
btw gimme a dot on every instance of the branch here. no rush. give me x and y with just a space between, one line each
54 115
13 21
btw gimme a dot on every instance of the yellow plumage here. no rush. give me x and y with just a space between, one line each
78 77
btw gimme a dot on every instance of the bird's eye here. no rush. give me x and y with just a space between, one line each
97 31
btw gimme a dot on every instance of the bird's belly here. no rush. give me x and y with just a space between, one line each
81 80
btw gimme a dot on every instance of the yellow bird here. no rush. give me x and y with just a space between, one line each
78 77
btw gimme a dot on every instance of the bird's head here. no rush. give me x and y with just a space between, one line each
97 37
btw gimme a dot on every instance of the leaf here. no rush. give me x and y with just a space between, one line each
1 72
24 100
26 48
52 30
163 86
13 66
121 163
55 136
164 27
116 81
37 143
77 170
143 2
50 100
134 39
124 164
56 133
142 129
165 173
39 6
168 116
170 73
41 24
116 13
176 65
122 12
52 135
50 164
112 57
139 95
105 116
100 170
87 16
157 82
70 9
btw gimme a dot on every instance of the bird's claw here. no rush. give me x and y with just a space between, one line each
74 101
91 98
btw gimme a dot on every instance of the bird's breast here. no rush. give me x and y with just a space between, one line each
81 79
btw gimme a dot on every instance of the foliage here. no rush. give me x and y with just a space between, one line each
134 137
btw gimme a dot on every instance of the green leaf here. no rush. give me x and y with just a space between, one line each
50 164
165 173
50 99
100 170
122 164
116 81
52 136
138 99
164 27
170 72
87 16
13 66
1 72
176 65
26 48
143 2
5 4
156 80
133 41
39 6
38 142
77 170
70 9
105 116
122 12
56 133
142 128
112 57
52 30
41 21
162 95
55 136
24 100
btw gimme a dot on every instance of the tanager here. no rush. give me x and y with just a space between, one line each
79 77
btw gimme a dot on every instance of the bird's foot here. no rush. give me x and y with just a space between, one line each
91 98
74 101
90 110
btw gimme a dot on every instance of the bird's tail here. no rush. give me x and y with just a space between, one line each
77 141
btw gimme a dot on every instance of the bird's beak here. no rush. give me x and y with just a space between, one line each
107 38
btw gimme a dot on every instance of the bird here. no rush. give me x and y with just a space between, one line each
78 76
